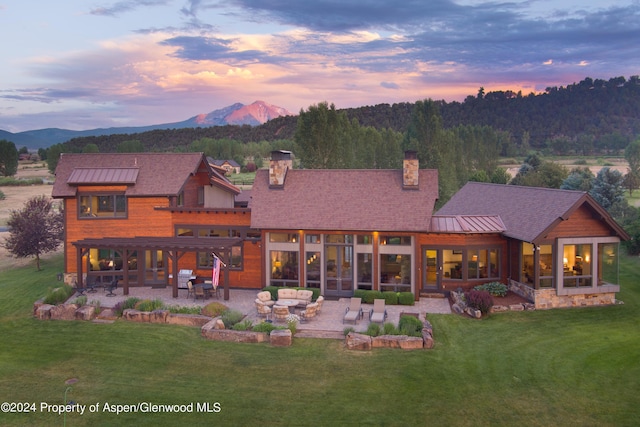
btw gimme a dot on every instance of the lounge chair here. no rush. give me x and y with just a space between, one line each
379 313
354 311
310 311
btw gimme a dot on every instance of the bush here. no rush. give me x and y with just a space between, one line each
496 289
264 327
243 326
58 295
96 304
214 309
2 196
480 300
390 297
149 305
410 325
389 329
81 300
124 305
230 318
346 331
369 296
176 309
373 330
406 298
359 293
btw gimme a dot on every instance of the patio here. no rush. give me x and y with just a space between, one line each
327 324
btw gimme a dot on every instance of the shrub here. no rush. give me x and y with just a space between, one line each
406 298
496 289
243 326
96 304
214 309
149 305
480 300
346 331
231 317
264 327
369 296
409 325
390 297
183 310
58 295
359 293
389 329
124 305
2 196
81 300
373 330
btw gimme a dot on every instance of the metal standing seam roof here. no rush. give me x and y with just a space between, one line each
467 224
88 175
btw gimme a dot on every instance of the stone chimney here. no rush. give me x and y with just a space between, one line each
281 161
410 168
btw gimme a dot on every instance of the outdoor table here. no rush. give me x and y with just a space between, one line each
287 302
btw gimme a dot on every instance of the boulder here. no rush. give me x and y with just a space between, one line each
107 314
280 337
516 307
86 312
457 309
499 308
43 312
230 335
64 312
158 316
187 319
134 315
218 324
356 341
411 343
427 339
386 341
476 314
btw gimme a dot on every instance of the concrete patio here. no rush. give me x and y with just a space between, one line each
327 324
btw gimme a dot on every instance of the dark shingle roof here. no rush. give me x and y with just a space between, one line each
158 174
527 212
337 199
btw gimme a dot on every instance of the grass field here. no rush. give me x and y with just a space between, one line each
544 368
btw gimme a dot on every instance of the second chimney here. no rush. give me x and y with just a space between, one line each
281 161
410 168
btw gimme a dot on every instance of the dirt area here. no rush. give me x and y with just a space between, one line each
509 299
15 198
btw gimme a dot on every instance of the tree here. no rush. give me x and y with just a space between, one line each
580 179
131 146
632 155
91 148
53 155
8 158
34 230
607 188
536 172
320 136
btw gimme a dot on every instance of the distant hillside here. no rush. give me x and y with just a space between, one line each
592 116
237 114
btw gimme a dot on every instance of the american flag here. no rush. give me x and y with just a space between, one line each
215 272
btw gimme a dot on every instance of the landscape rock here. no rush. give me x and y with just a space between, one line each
499 308
516 307
386 341
230 335
64 312
356 341
411 343
187 319
219 324
43 312
280 337
427 339
86 312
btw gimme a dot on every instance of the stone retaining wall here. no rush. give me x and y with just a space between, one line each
544 299
362 342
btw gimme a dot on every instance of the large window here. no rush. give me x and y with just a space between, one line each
284 268
608 264
365 271
313 269
205 260
483 263
577 269
395 272
545 262
92 206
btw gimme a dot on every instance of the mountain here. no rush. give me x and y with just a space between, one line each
237 114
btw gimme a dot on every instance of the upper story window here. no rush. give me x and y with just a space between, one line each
395 240
102 205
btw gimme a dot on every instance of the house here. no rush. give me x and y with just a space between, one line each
562 247
230 166
142 218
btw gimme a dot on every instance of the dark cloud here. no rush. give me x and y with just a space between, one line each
121 7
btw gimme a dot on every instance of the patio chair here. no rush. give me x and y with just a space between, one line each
199 293
111 287
309 312
190 290
281 312
320 301
379 313
354 311
265 297
263 309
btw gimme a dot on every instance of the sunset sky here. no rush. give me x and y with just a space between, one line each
84 64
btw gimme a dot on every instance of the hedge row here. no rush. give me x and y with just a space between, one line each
390 297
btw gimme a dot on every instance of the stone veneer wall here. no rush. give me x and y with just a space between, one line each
547 298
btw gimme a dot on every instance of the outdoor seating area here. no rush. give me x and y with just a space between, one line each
327 322
203 290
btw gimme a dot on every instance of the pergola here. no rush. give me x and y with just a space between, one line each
174 247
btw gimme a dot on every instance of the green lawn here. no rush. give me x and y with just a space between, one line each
545 368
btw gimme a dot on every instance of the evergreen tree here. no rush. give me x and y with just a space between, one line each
8 158
607 188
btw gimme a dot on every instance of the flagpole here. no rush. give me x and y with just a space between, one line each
219 259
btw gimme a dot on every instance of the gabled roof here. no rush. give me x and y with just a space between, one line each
222 162
157 174
528 213
467 224
338 199
104 176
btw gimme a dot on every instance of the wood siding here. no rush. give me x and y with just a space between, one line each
581 223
